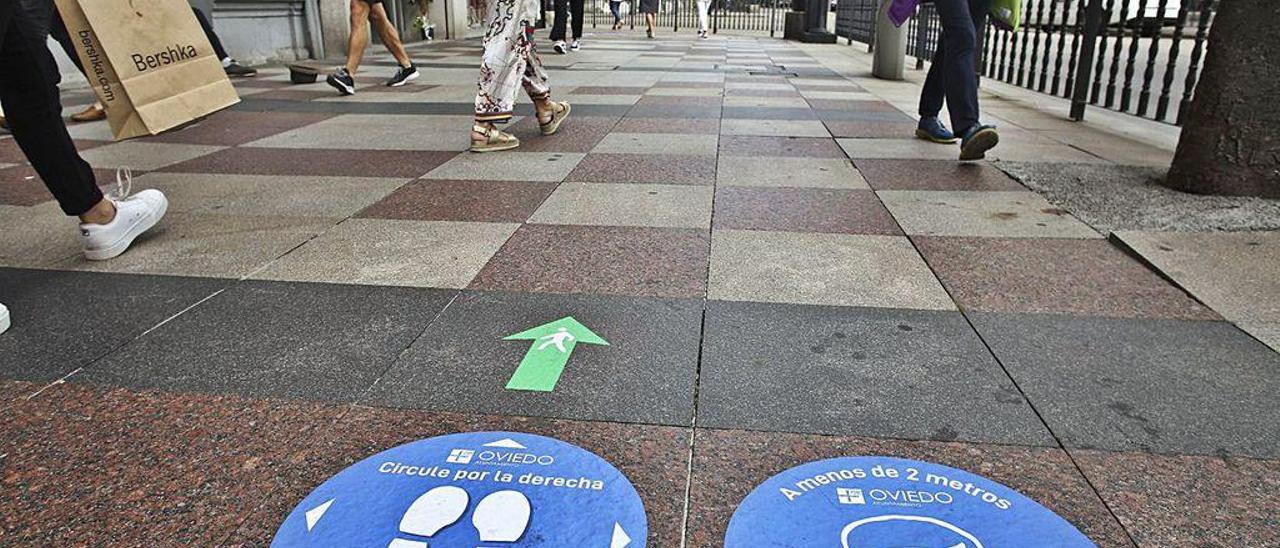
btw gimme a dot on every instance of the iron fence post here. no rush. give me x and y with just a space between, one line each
1084 67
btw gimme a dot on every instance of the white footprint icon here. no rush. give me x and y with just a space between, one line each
431 512
502 516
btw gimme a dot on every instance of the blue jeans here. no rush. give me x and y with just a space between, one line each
616 9
953 77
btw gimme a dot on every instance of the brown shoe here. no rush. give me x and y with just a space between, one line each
494 139
559 112
94 113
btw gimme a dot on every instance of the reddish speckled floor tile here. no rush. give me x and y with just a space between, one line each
10 153
1189 500
645 168
577 134
481 201
852 105
789 147
233 127
1062 276
728 464
641 262
293 94
803 210
293 161
653 458
95 466
679 101
693 85
934 175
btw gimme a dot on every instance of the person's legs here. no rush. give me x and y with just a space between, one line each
615 9
560 23
704 7
359 34
30 97
576 9
502 68
212 36
959 74
390 37
934 90
651 22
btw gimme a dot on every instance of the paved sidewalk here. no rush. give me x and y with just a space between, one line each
781 272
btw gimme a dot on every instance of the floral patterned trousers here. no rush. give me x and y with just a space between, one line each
510 61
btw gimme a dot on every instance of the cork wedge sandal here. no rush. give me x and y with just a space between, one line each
494 140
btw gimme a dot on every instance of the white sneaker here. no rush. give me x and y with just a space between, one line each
575 46
559 46
4 318
134 215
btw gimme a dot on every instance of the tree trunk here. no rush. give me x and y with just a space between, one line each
1230 142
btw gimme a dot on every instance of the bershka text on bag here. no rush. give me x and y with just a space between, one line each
95 63
175 53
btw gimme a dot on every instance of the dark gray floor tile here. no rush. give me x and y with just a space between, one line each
1161 385
64 320
277 339
758 113
646 373
857 371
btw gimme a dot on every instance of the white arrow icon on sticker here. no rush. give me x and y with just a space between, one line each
314 514
620 538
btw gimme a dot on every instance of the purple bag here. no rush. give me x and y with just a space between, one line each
902 10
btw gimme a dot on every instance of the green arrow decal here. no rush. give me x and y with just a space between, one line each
553 343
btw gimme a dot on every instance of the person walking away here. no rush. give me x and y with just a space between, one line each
650 10
953 78
364 13
615 9
565 8
511 61
704 17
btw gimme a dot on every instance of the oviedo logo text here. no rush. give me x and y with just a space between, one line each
498 458
899 497
174 54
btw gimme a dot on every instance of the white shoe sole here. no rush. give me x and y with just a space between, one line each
120 246
411 78
4 320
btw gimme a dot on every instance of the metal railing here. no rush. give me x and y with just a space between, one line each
1124 55
733 15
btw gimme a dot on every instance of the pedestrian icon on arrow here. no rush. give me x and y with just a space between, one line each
540 368
557 339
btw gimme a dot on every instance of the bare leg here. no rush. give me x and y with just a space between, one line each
359 34
651 20
390 38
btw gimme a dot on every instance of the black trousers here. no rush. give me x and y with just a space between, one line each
29 95
565 8
954 73
212 36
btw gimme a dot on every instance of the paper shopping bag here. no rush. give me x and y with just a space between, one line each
148 62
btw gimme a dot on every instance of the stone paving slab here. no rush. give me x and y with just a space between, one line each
462 364
1169 386
983 214
727 464
475 201
510 166
597 204
921 375
803 210
1199 262
824 269
274 339
50 310
144 156
201 244
1172 500
401 164
268 196
771 171
935 175
1054 276
386 252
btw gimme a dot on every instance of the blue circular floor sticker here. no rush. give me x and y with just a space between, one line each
882 502
491 489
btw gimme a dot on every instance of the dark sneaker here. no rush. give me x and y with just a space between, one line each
559 47
931 129
342 81
575 46
403 76
977 141
236 69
